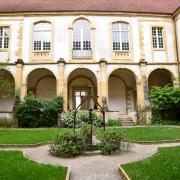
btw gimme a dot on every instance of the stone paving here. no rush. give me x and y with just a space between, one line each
94 167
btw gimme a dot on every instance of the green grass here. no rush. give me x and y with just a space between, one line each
14 166
164 165
33 136
29 136
148 133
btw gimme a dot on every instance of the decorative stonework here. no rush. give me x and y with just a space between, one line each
20 37
121 55
41 54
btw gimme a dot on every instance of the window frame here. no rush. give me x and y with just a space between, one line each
158 48
3 48
120 32
82 43
42 43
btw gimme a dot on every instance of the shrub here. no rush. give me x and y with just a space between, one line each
113 122
85 131
50 111
67 120
29 111
33 112
111 141
81 116
68 144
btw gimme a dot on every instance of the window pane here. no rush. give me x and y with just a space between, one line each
81 37
42 36
120 36
157 37
4 37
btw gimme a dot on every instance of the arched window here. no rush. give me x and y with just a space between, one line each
82 39
120 33
42 36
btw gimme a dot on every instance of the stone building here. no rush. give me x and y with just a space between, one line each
119 48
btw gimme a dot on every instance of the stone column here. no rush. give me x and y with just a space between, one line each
103 84
142 93
176 83
18 79
61 84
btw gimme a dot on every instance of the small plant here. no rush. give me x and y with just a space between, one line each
111 142
68 144
113 122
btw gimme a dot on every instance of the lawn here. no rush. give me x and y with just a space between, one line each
14 166
32 136
155 133
29 136
163 165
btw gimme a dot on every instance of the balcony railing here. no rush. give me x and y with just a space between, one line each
79 54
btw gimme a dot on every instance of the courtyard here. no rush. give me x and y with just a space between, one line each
29 148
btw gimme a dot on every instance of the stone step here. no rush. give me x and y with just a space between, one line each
126 120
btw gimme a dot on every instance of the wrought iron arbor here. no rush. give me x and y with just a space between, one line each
99 107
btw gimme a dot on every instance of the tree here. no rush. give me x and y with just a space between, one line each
165 101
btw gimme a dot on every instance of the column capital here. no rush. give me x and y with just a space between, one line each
61 60
102 60
142 62
20 61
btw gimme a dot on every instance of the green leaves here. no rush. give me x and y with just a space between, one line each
165 98
68 144
111 142
165 102
33 112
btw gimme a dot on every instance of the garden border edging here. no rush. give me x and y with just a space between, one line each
153 142
28 157
24 145
123 173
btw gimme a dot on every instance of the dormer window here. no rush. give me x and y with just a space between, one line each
42 36
120 33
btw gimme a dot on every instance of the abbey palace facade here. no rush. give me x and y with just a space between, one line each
118 48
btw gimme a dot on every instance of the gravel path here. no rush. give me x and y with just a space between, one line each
94 167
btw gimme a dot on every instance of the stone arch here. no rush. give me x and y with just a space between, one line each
122 91
7 90
160 77
78 82
42 83
92 24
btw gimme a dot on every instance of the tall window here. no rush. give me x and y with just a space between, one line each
82 38
4 37
120 33
157 37
42 36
